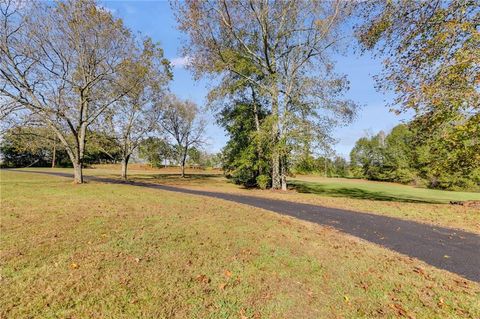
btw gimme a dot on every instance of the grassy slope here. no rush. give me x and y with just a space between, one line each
114 251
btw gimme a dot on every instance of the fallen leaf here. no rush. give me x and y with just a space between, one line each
441 302
400 310
419 270
203 279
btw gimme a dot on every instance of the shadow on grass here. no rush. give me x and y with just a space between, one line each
354 192
173 177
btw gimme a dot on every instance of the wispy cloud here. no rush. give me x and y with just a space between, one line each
181 62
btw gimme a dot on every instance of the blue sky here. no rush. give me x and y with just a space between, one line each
156 20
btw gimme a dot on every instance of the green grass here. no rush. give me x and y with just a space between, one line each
379 191
117 251
395 200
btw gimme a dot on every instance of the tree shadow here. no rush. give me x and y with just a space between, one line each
175 177
355 192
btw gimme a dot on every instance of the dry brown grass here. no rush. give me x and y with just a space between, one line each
114 251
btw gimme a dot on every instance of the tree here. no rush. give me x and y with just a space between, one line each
36 145
137 113
281 50
181 121
245 154
30 146
60 62
432 64
401 157
156 151
369 156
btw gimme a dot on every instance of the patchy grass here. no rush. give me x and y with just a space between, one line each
431 206
395 200
116 251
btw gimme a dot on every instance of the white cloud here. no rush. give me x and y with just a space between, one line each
181 62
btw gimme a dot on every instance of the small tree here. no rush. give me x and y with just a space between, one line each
137 113
181 121
156 151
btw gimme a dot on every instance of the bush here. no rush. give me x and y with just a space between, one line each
263 181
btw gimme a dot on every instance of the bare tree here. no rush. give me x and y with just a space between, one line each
60 62
282 50
181 121
137 113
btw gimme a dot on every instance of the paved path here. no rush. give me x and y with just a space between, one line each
453 250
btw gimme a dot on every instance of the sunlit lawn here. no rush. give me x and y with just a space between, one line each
362 189
401 201
117 251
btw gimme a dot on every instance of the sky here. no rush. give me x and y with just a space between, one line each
156 20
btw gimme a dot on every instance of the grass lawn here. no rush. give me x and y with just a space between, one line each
401 201
379 191
115 251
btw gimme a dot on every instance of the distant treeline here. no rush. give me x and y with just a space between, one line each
38 147
446 161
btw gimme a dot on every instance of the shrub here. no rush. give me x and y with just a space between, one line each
263 181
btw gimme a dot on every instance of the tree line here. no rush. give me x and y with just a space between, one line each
401 157
73 75
36 147
74 68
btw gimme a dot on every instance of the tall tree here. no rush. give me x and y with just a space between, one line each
432 63
281 49
137 113
60 62
182 122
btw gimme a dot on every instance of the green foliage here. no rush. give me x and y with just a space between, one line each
15 154
156 151
406 155
336 167
244 155
101 148
35 146
264 181
431 50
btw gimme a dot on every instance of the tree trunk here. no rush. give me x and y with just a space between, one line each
325 167
283 177
54 154
276 183
183 168
276 180
257 127
125 167
77 172
184 159
78 159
